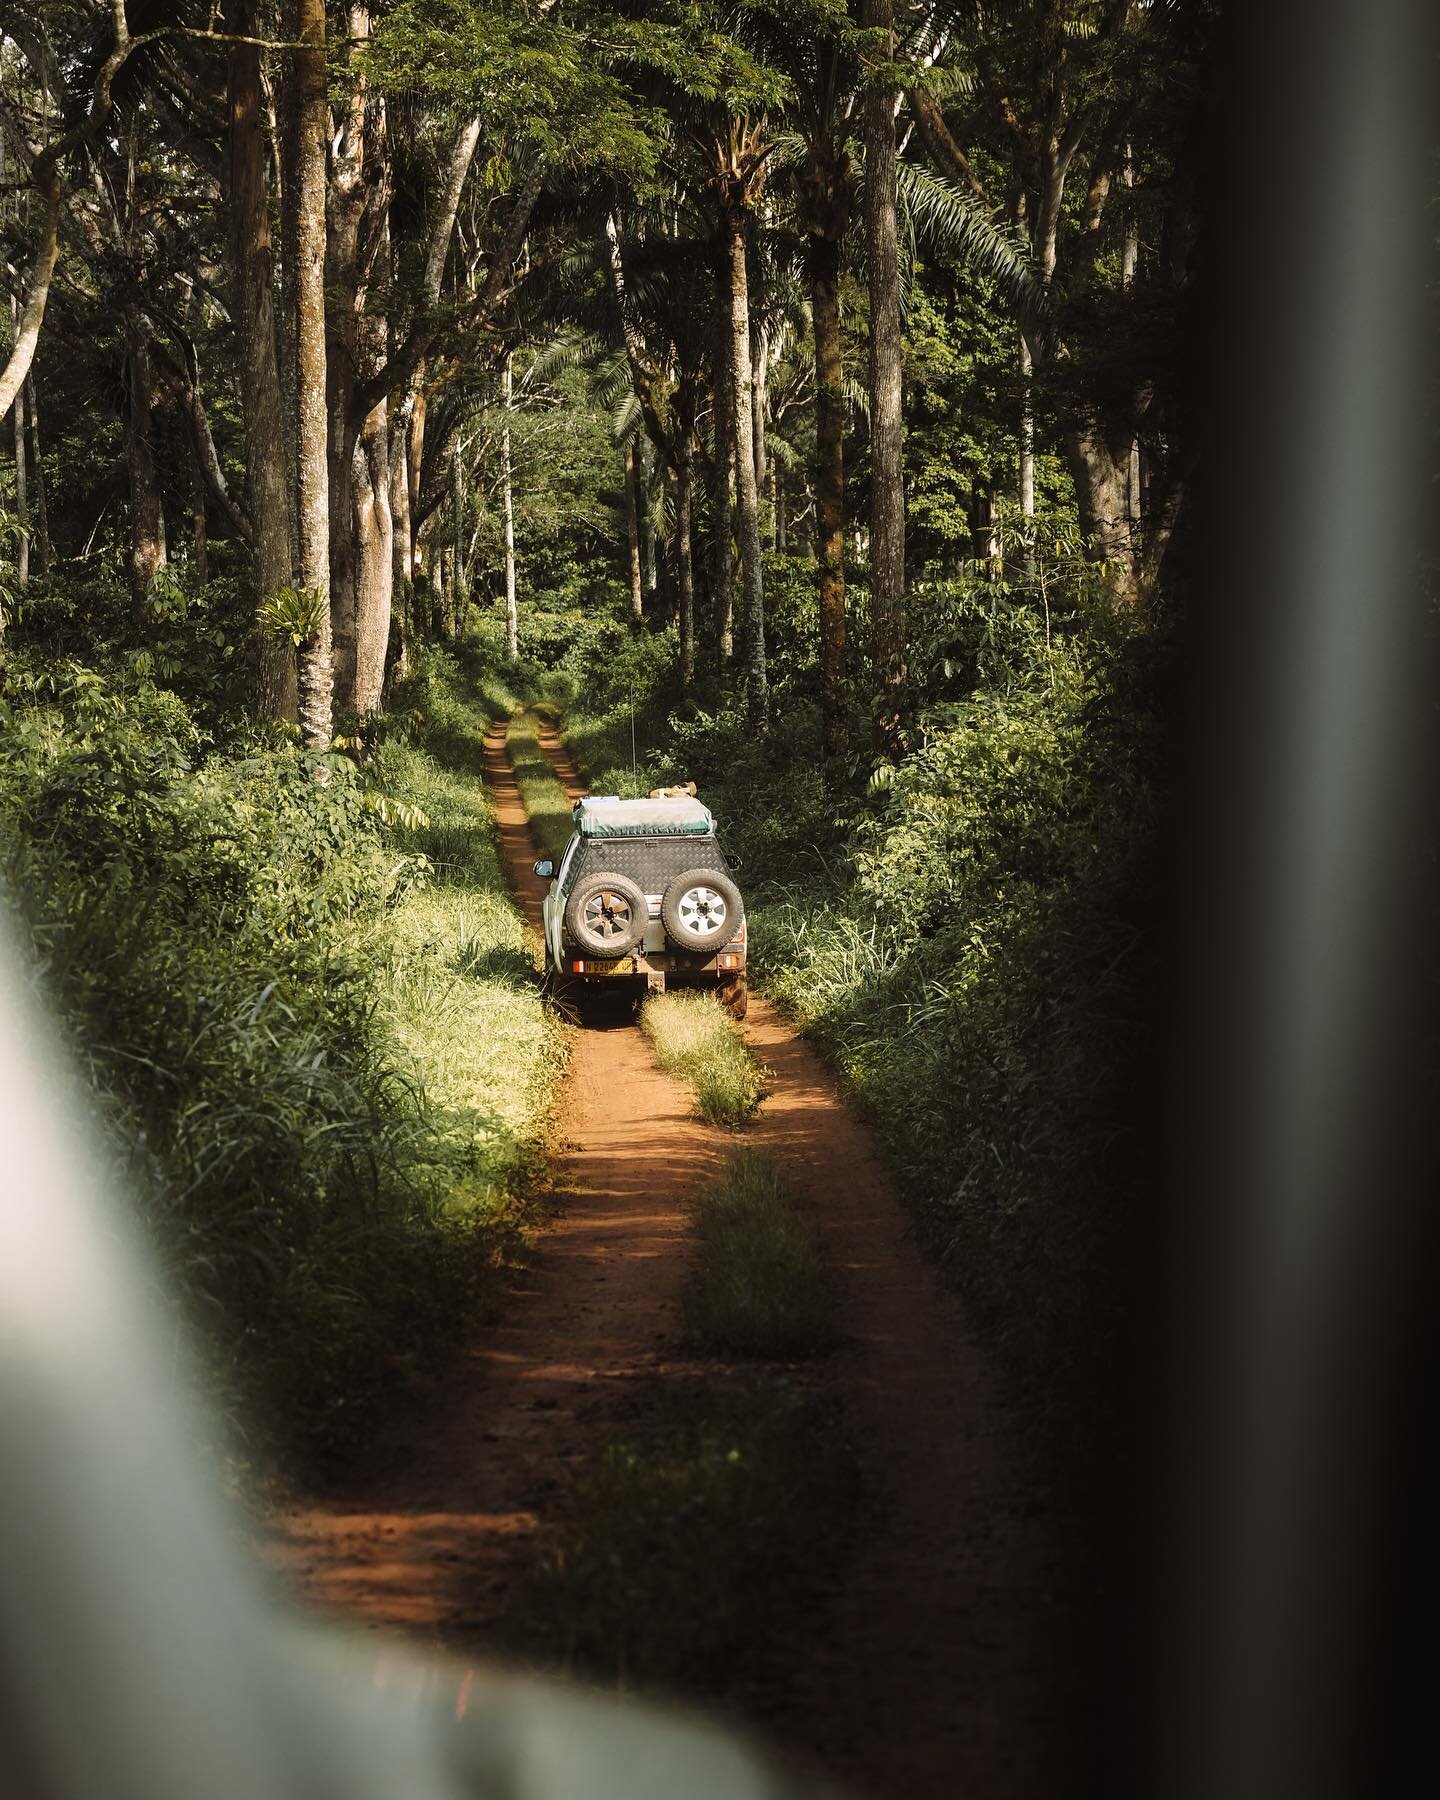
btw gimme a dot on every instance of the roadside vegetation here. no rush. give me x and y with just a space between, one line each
757 1287
696 1042
288 998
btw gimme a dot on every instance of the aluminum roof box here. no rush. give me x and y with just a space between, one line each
608 816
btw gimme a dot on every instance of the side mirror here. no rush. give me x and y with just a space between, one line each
545 869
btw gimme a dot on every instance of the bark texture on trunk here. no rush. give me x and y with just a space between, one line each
737 236
684 566
374 560
722 571
261 398
512 613
632 539
147 544
829 484
402 558
22 500
312 446
887 427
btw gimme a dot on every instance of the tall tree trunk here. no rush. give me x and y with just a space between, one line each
643 495
722 574
312 437
737 234
1027 457
374 522
147 546
512 614
684 566
348 361
759 400
374 560
1100 467
1129 261
782 535
261 399
401 550
37 471
457 509
632 538
829 484
887 427
22 506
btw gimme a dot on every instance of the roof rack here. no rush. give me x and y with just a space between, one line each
673 815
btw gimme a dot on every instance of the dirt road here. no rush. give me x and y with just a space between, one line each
922 1680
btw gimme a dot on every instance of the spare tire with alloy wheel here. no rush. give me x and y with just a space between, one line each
701 910
606 915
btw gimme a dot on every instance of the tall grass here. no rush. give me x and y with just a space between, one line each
312 1032
700 1045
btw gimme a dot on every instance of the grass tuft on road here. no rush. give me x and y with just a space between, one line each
699 1044
758 1287
683 1551
546 801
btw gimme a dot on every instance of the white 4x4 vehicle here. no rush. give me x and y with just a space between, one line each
643 896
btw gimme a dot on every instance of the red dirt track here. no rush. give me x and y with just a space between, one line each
920 1678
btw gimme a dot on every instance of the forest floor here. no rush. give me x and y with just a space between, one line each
921 1669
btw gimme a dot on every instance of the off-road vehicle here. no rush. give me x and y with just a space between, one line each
643 900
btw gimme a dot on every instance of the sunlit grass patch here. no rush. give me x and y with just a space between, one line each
699 1044
682 1551
546 801
758 1287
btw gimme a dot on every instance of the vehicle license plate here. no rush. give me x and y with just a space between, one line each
624 965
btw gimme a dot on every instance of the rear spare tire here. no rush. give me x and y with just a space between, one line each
702 910
606 915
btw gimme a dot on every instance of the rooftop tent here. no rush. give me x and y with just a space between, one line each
606 816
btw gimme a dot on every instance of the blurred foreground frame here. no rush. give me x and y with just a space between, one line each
141 1655
1298 1147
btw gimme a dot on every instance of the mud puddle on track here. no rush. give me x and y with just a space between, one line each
918 1679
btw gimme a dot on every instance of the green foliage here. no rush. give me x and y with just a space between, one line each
294 613
698 1043
264 992
757 1287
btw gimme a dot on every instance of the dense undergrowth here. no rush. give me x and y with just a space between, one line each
958 921
307 1012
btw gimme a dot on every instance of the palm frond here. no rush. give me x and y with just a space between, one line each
625 420
945 216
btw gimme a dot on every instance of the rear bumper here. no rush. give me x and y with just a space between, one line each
673 965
